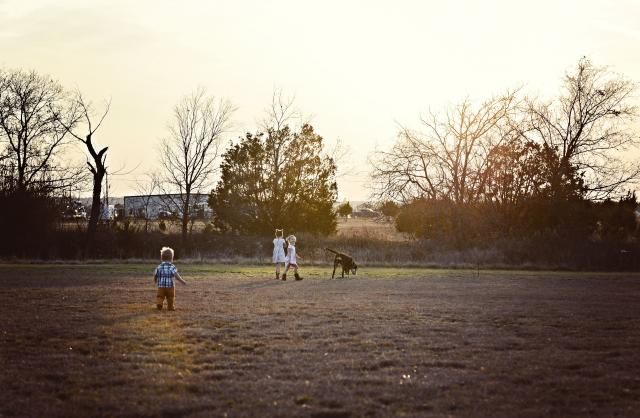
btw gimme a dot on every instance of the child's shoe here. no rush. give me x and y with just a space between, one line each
277 276
297 276
284 277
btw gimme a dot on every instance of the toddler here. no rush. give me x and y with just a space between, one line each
163 277
291 258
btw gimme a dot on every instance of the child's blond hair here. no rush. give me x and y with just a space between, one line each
166 254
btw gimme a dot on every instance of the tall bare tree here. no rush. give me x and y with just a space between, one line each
189 153
84 114
447 159
588 127
33 113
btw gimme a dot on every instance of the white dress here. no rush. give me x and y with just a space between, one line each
278 250
291 256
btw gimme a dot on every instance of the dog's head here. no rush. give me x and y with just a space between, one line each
354 268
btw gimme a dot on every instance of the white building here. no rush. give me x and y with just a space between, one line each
165 206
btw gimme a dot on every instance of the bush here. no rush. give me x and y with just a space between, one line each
470 225
27 221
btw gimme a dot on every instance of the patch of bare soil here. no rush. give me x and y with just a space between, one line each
78 342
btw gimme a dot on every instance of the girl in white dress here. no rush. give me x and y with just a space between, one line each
278 251
291 259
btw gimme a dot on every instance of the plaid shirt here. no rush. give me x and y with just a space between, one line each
165 273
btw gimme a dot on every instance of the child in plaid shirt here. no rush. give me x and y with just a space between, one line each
165 272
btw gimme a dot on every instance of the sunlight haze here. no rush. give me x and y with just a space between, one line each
357 69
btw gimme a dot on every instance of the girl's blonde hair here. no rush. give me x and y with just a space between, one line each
166 254
291 239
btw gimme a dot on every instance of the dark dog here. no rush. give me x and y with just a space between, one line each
345 261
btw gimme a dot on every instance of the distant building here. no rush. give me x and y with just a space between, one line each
165 206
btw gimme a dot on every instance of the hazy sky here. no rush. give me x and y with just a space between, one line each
357 68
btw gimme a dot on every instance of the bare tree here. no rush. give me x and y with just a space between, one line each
587 126
189 153
342 155
146 189
33 113
408 170
97 167
447 160
281 112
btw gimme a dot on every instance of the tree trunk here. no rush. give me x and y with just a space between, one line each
98 171
185 217
95 209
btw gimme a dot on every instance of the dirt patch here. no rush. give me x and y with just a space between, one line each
86 341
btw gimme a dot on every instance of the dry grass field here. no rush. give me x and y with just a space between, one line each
368 229
85 340
347 228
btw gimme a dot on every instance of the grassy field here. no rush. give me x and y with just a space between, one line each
85 340
369 229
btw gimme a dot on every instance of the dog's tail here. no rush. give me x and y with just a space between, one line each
333 251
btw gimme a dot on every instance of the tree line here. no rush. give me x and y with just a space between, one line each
516 166
511 167
279 176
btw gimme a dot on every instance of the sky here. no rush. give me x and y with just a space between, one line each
358 69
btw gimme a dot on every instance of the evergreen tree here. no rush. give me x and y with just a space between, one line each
277 179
